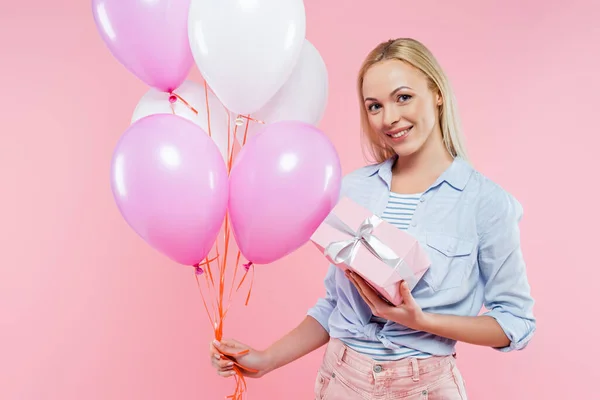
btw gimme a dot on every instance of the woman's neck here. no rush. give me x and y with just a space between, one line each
419 171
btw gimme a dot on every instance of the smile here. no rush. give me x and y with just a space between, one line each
398 133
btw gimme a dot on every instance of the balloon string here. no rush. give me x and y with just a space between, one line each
203 299
230 150
237 263
251 283
207 108
249 118
200 271
246 132
222 259
174 97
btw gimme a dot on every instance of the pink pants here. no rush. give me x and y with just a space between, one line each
348 375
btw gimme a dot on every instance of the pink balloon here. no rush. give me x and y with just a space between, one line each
170 183
150 38
284 183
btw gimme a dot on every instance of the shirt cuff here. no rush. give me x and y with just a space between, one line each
519 331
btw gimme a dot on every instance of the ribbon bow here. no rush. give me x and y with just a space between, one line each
344 251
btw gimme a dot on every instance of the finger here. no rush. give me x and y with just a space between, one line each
230 348
214 351
223 363
360 291
407 297
365 289
226 374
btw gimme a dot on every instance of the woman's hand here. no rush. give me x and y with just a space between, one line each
408 313
228 354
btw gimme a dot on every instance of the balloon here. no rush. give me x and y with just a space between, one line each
149 38
246 49
171 186
192 93
302 98
283 184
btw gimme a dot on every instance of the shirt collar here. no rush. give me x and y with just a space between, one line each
457 175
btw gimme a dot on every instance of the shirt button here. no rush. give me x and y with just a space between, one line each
422 199
424 392
377 369
413 224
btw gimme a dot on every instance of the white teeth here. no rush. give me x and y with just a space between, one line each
400 134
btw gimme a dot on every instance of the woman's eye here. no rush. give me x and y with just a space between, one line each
404 97
374 107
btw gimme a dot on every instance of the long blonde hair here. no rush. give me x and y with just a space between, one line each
416 54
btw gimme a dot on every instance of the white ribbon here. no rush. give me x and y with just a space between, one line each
344 251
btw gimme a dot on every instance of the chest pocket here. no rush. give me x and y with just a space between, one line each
450 260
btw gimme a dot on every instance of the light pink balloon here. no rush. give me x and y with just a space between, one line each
150 38
284 183
170 183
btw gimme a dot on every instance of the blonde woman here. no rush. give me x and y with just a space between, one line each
422 183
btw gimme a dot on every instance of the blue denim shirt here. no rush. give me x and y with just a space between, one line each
468 225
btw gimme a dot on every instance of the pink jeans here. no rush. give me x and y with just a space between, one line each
348 375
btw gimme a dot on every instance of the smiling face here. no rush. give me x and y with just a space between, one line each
401 106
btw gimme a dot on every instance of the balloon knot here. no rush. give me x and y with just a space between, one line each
199 270
248 265
172 99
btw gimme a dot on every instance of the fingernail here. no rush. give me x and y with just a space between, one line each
229 364
216 343
218 356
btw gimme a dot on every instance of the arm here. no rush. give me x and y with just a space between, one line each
507 293
311 334
304 339
482 330
509 324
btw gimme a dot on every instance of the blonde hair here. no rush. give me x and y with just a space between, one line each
416 54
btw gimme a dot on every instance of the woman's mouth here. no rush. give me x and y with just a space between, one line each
400 133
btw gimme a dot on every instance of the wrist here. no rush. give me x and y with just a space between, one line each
426 322
270 362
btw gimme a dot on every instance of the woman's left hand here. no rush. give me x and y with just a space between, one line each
408 313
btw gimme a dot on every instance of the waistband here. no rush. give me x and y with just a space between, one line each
407 367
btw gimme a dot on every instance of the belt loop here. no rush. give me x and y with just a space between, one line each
341 354
415 369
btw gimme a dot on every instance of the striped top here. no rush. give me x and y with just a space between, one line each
399 212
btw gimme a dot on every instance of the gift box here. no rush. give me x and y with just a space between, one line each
352 237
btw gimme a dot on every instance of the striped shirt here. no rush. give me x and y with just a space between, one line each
399 212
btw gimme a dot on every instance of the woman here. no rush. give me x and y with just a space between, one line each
422 183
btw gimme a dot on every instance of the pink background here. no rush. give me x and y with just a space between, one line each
89 311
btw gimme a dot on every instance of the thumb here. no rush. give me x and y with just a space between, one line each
228 346
407 297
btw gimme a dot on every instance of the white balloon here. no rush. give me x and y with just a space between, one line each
158 102
302 98
246 49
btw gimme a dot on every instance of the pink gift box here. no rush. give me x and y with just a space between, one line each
354 238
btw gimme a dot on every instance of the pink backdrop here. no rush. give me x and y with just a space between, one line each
89 311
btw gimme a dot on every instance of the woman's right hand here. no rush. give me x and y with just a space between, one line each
254 360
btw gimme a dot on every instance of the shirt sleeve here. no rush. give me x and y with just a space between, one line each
322 310
507 291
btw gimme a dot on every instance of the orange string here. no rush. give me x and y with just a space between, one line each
219 310
204 301
249 118
207 109
184 102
